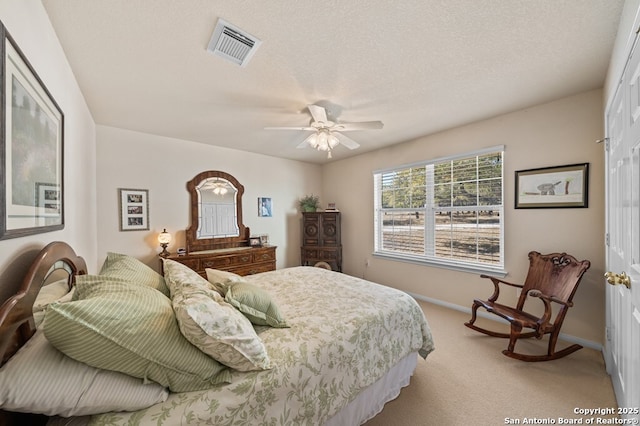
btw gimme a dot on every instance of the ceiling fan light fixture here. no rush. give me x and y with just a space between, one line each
323 140
332 141
313 140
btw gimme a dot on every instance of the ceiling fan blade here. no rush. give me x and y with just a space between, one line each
346 141
305 143
363 125
291 128
318 113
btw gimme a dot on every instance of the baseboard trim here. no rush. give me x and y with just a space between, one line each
565 337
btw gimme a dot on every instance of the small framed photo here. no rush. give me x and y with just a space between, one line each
264 207
254 241
553 187
48 198
134 209
264 239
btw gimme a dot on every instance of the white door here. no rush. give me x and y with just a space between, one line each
622 349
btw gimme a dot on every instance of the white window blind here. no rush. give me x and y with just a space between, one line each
446 212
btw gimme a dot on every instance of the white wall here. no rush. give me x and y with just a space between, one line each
162 165
28 24
557 133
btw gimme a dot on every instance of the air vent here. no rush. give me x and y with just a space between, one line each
232 43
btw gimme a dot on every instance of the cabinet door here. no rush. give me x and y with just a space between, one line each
310 229
330 235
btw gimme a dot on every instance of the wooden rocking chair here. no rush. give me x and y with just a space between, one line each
553 278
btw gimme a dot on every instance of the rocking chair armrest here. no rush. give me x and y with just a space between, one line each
546 300
496 283
541 295
498 280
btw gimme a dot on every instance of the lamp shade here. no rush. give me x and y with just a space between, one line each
164 237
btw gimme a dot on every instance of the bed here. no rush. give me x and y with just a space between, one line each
348 346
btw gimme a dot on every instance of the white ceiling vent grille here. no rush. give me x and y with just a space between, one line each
232 43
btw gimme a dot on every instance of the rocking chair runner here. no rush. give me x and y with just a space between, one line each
553 278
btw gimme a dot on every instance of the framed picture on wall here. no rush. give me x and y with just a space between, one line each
553 187
264 207
31 149
48 198
134 209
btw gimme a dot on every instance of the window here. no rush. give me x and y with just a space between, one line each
446 212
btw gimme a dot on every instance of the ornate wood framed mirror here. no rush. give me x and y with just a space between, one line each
216 212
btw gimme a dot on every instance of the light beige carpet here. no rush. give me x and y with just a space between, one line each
467 381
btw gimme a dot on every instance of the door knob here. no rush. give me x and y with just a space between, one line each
622 278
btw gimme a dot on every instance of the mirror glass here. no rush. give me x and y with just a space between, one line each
217 209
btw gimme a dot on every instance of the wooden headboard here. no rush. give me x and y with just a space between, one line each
16 313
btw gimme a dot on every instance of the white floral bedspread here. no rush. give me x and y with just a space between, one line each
345 334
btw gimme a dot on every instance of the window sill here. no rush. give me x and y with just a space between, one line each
472 269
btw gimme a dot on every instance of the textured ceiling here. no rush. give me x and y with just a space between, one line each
420 66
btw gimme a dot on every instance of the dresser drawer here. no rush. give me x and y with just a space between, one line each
241 259
254 268
322 253
264 255
215 262
190 263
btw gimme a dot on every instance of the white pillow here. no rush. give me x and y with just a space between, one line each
49 294
55 292
211 324
40 379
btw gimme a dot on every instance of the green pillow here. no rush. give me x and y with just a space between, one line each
131 269
220 280
115 325
255 303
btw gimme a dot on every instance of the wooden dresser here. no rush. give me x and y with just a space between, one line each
321 240
239 260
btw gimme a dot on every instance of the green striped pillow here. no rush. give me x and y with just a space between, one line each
131 269
114 325
255 303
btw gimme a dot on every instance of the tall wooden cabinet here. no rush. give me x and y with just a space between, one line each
321 239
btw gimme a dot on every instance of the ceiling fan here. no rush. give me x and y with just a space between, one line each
326 133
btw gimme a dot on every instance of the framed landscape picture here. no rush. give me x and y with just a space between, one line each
553 187
31 149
